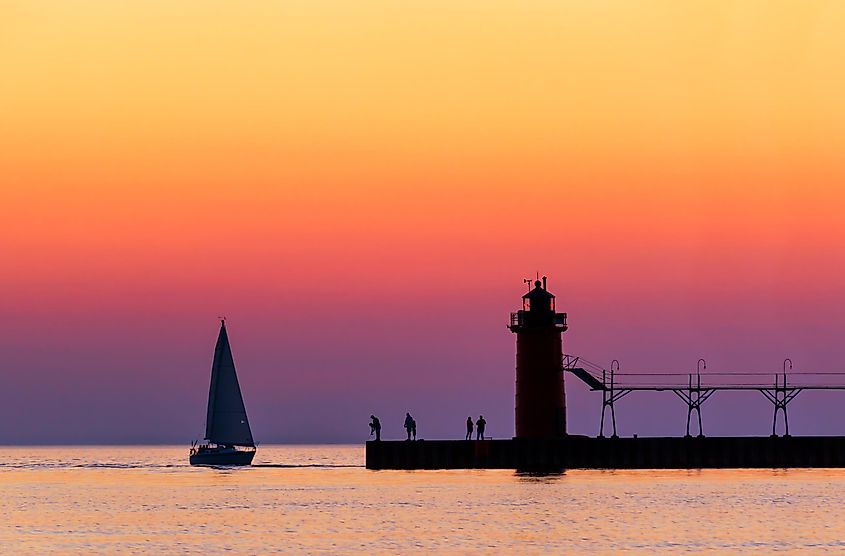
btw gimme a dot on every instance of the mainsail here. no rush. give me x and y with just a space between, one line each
226 422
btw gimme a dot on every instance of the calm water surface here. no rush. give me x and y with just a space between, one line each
320 499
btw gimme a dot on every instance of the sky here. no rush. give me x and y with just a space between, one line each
360 188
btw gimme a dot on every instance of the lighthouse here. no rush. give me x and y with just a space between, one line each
540 399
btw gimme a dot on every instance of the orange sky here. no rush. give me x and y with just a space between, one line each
205 156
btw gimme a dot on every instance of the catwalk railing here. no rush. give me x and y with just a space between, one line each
696 388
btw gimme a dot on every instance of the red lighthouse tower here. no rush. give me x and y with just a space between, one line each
540 398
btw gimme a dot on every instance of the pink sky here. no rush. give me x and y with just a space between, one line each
361 191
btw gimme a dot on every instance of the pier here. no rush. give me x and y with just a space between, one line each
581 452
542 443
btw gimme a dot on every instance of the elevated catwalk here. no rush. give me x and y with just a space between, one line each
696 388
580 452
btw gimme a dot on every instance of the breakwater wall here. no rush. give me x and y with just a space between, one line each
581 452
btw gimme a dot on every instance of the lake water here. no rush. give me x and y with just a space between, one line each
320 499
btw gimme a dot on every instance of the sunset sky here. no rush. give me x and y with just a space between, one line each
360 187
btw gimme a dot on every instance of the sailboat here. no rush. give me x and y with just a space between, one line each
227 434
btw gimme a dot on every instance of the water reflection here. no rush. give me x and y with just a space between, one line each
114 500
539 477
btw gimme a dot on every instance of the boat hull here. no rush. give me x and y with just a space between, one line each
221 457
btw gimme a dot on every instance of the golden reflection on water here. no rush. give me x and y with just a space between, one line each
147 499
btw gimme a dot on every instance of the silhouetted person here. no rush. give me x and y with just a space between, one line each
375 427
479 427
469 429
414 428
409 424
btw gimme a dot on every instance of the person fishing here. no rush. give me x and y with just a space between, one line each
410 425
375 427
469 429
479 427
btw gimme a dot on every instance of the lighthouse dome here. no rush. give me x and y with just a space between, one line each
539 292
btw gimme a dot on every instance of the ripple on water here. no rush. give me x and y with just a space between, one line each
320 499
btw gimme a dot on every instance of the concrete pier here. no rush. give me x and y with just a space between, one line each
581 452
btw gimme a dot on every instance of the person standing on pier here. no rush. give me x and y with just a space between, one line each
469 429
375 427
410 425
479 427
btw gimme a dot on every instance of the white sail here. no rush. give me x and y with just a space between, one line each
226 422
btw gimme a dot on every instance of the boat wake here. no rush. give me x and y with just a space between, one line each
307 465
71 465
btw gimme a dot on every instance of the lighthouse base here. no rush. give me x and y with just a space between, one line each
581 452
